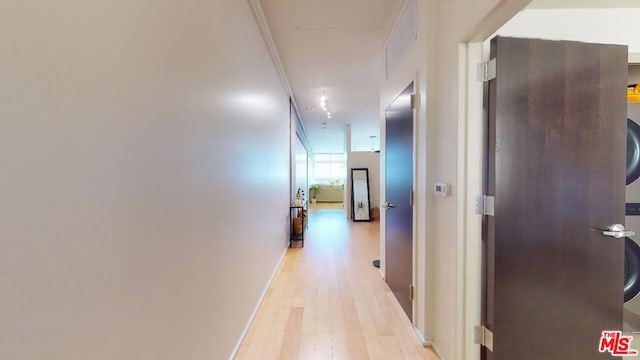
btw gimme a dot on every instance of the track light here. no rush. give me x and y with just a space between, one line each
324 104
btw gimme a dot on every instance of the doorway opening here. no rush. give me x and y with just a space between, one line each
398 205
477 51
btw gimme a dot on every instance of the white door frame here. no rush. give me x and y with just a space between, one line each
471 134
383 184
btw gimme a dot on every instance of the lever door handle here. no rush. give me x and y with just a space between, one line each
618 231
387 205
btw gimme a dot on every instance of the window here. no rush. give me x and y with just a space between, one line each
329 168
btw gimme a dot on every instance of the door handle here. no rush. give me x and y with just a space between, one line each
617 231
387 205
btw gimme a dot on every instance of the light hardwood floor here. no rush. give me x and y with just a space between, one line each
328 302
324 205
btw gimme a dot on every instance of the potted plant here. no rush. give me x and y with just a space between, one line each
360 207
314 190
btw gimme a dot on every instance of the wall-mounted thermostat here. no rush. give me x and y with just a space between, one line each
441 189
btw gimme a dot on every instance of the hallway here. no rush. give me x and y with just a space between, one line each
328 302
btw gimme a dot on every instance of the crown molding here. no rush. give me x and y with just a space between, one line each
258 13
263 24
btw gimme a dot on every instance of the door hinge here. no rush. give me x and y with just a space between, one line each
413 101
411 197
411 292
485 205
487 71
483 336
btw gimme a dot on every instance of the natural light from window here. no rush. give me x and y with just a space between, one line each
329 169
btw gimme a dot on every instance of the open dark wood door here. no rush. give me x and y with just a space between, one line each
398 201
556 167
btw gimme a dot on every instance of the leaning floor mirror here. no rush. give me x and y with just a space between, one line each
360 194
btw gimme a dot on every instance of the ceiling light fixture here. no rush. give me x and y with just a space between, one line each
324 102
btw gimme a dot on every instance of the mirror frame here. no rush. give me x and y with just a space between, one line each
353 205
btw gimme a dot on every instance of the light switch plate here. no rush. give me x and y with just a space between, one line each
441 189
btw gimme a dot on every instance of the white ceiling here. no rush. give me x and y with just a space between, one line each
335 47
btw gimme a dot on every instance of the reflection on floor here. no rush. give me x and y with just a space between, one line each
328 302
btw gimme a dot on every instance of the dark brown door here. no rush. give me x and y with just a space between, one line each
557 145
399 184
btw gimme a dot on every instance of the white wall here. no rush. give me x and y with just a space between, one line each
371 161
453 329
138 139
606 26
412 67
432 62
444 26
634 74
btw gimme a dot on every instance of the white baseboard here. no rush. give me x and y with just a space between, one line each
255 309
421 337
435 349
430 344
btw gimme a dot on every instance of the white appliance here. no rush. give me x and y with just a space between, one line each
632 220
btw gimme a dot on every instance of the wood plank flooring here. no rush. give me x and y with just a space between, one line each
326 205
328 302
